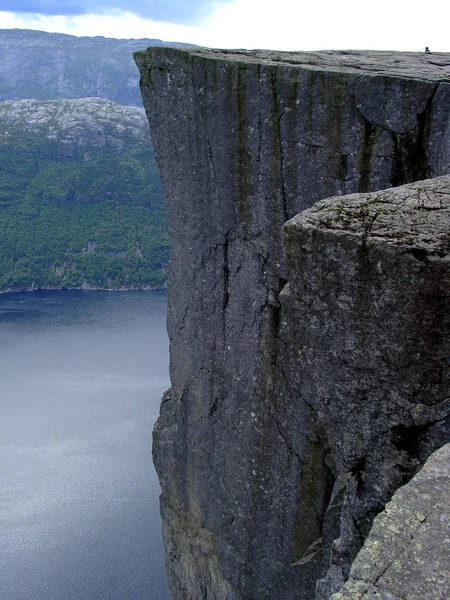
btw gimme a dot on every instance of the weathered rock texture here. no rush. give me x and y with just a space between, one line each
296 410
365 332
407 554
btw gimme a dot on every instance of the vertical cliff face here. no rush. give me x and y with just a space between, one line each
262 462
365 330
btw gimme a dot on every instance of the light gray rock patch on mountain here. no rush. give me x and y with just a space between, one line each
75 125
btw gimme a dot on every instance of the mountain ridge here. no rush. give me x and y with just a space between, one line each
44 66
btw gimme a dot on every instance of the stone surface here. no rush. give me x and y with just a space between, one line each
365 325
407 553
412 65
257 496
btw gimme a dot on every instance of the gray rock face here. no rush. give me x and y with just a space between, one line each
283 435
407 554
365 326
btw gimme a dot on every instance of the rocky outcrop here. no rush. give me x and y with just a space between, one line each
44 66
73 127
365 331
407 553
296 409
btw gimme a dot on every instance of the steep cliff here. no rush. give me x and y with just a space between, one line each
365 331
295 410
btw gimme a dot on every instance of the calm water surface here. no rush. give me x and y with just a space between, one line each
81 377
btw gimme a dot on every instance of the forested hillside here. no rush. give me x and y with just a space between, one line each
80 198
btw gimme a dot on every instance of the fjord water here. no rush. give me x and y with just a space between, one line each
81 376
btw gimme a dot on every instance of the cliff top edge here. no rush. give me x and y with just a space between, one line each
415 65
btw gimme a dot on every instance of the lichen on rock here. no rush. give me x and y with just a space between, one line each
407 553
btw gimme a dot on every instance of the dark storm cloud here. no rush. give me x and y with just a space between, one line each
174 11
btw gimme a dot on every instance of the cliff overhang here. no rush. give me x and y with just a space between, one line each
309 370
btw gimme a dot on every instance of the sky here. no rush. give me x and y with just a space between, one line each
407 25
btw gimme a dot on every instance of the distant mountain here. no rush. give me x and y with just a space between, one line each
44 66
80 198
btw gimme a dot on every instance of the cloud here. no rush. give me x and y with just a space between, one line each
284 25
301 25
125 26
170 11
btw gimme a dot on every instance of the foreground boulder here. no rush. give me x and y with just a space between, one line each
365 326
407 553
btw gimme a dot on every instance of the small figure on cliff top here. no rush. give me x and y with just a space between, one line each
427 50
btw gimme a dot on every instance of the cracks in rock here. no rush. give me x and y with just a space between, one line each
420 419
261 108
214 406
221 256
282 167
183 318
368 225
411 446
288 445
413 232
357 471
366 152
363 216
270 319
375 583
358 531
395 558
423 119
279 114
198 103
226 275
211 157
409 439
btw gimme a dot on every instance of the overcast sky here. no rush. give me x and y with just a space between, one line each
279 24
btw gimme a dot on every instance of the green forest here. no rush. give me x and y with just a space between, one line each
80 219
80 197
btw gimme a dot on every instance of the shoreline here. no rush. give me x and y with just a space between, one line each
86 288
